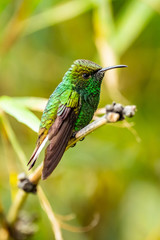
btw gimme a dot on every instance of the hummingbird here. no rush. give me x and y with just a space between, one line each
70 108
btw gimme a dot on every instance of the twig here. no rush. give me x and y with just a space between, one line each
21 195
114 113
48 209
16 206
107 118
110 117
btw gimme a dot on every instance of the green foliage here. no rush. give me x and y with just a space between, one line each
110 172
16 109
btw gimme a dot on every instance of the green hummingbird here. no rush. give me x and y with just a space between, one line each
70 108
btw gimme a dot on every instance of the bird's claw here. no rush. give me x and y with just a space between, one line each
73 145
82 139
74 135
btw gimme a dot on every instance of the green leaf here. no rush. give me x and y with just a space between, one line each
33 103
19 112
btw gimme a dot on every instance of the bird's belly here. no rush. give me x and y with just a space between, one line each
85 115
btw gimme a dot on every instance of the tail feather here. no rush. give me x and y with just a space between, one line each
32 158
36 153
59 135
33 161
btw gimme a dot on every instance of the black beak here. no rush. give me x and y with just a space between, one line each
109 68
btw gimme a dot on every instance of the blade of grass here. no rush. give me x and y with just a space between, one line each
131 22
104 30
14 142
154 4
48 209
21 196
18 111
33 103
103 19
57 14
16 13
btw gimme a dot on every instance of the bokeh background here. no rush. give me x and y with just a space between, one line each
115 172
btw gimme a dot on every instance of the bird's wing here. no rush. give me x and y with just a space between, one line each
60 131
48 117
59 96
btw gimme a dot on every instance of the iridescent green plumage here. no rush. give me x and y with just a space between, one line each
70 108
75 91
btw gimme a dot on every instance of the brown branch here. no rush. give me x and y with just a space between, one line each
114 113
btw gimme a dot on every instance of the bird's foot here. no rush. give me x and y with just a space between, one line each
25 184
73 145
74 134
82 139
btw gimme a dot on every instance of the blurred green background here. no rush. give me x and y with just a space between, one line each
112 172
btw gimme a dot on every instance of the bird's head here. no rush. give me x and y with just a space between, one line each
84 72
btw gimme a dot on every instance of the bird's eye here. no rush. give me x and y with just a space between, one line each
86 76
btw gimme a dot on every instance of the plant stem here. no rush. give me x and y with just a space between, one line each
16 206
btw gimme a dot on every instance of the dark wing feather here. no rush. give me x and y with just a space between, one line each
59 135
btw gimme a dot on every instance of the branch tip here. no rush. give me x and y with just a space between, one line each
127 111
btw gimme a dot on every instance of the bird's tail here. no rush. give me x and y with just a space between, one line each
36 152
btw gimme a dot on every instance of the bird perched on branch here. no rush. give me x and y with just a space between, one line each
70 108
